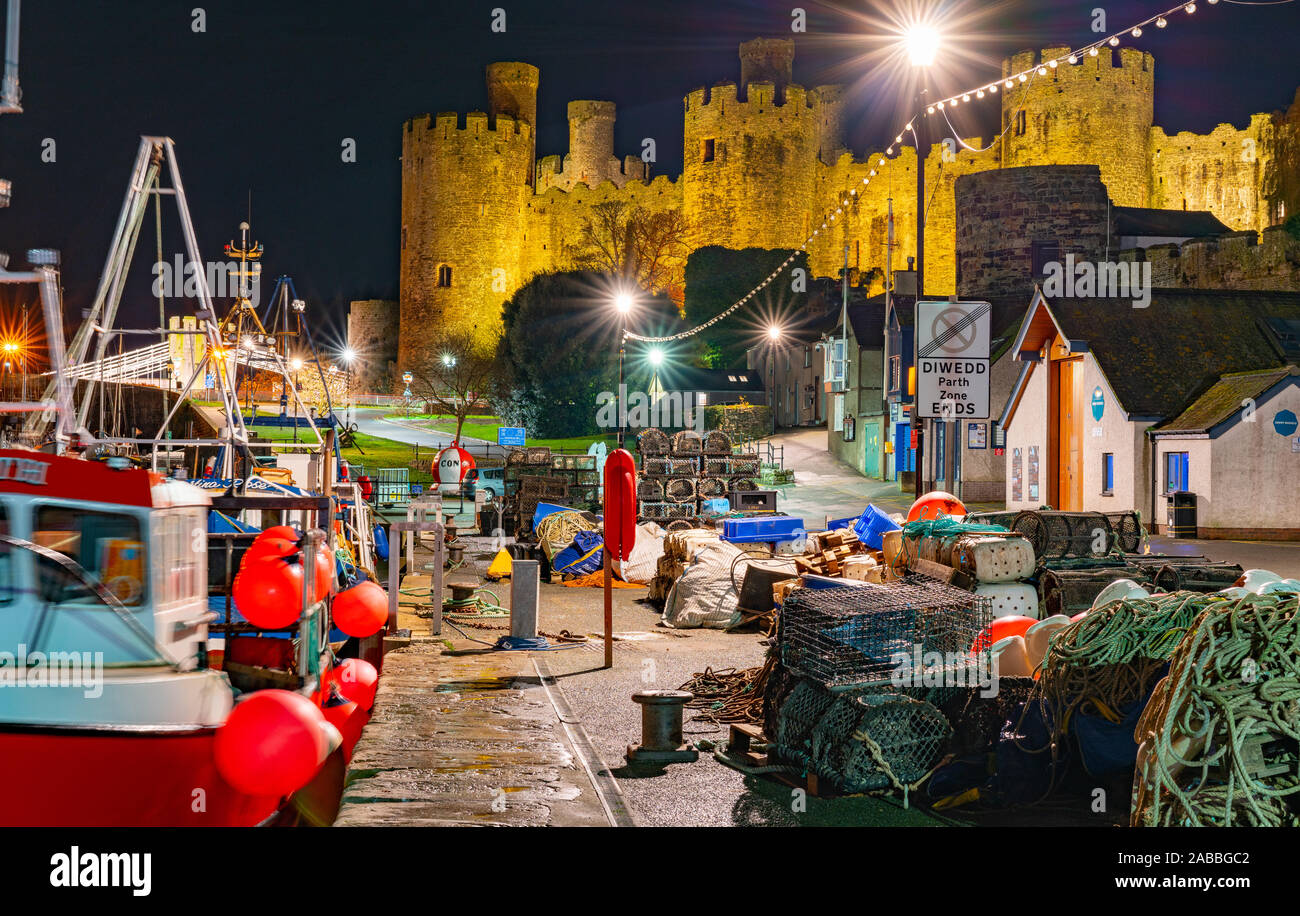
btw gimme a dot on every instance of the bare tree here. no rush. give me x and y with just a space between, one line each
649 246
455 376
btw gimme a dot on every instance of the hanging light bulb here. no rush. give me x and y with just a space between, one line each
993 88
1009 84
966 97
1161 22
1114 41
1023 78
1092 52
979 94
1053 64
1042 71
1074 58
1191 8
1137 31
930 110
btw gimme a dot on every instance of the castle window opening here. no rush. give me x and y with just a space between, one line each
1044 253
444 275
707 151
403 238
1020 123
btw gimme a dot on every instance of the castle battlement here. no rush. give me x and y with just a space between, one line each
765 159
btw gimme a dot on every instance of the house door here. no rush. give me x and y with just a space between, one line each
871 449
1069 435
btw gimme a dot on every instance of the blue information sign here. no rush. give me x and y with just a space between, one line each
1285 422
1098 403
511 435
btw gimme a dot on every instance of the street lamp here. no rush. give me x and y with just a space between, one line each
773 337
922 43
623 303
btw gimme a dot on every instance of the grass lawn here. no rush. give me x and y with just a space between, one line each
484 427
378 453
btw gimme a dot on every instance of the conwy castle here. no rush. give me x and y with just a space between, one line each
765 157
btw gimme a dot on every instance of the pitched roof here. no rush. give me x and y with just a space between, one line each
1168 223
1157 359
693 378
1223 399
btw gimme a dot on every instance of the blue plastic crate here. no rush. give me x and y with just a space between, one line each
762 528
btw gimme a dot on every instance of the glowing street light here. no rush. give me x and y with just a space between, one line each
295 364
448 360
656 356
922 44
623 302
349 355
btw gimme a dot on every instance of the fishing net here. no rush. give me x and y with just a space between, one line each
680 489
1219 736
687 442
652 442
538 455
516 457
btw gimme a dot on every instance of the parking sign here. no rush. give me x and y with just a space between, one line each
952 360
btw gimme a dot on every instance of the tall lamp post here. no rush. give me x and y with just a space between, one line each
774 337
349 357
623 305
922 42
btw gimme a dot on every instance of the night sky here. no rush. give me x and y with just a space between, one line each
262 101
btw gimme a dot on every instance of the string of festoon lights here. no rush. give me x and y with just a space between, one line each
1009 82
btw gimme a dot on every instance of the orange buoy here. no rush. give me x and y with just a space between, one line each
324 580
272 744
268 547
934 504
349 718
357 681
361 610
1000 629
268 592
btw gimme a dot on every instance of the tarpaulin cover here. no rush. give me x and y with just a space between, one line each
703 595
649 547
585 555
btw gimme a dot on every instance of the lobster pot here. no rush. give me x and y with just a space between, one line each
742 485
666 510
742 464
538 455
587 476
1003 519
653 509
855 636
1128 530
716 442
687 467
712 488
516 456
680 524
583 494
1174 574
856 740
652 442
1069 591
1057 535
563 462
680 490
655 467
687 442
717 467
650 490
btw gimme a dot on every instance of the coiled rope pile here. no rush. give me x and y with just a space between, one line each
728 695
1219 736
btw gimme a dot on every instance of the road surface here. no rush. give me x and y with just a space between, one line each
371 422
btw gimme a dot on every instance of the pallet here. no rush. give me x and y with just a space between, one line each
738 743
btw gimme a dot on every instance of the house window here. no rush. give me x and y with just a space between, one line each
707 151
1044 253
1175 472
807 357
895 373
444 275
1108 474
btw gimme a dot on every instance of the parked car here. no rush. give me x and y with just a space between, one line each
492 480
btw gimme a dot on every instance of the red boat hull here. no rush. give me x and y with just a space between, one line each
83 778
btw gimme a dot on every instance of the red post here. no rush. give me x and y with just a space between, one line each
620 530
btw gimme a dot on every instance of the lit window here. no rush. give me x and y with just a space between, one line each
1107 474
1176 472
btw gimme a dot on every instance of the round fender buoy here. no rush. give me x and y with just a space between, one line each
349 718
357 681
325 570
268 547
935 504
361 610
268 592
1000 629
272 744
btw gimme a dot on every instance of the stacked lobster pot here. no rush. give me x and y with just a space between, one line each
997 566
683 474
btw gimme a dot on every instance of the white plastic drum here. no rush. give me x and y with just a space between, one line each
1010 598
998 559
1010 659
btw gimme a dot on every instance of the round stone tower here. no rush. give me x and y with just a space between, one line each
1096 111
465 189
591 141
767 60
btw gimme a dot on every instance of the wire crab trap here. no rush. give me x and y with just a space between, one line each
680 490
652 442
654 467
516 456
712 488
864 635
716 467
1127 527
716 442
680 524
687 442
1058 535
742 485
650 490
1003 519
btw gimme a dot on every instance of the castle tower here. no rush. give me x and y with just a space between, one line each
749 165
465 189
1097 111
767 60
591 142
512 91
828 104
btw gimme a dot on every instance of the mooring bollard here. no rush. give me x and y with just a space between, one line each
661 728
524 588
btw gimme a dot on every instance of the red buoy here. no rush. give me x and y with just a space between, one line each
272 744
268 547
268 592
324 580
361 610
357 681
